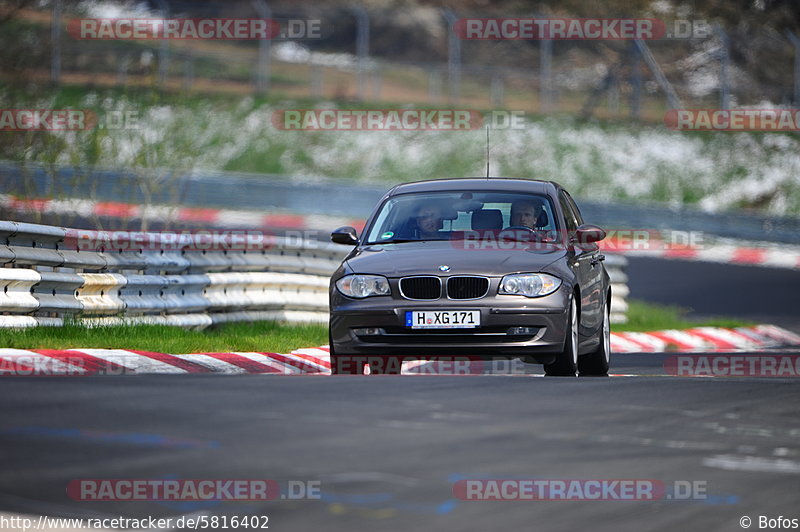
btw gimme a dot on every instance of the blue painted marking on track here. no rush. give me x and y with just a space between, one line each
446 507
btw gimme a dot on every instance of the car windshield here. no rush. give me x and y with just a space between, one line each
460 214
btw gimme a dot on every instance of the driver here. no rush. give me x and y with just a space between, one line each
429 220
524 213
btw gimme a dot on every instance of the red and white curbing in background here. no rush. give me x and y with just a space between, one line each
84 362
77 362
722 251
213 217
703 340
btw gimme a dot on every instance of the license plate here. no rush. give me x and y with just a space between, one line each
443 319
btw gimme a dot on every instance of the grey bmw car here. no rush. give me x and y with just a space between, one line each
478 267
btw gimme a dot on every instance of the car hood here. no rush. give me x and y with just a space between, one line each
416 258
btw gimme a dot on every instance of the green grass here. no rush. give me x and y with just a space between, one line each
644 317
269 337
598 159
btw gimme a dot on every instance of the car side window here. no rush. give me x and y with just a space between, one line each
576 211
569 214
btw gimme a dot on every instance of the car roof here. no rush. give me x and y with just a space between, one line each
504 184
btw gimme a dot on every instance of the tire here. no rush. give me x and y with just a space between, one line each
566 364
595 364
344 364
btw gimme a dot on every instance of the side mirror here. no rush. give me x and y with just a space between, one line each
587 233
346 235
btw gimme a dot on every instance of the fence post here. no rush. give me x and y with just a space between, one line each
163 50
362 48
377 84
122 69
55 36
453 58
497 90
613 95
263 68
316 80
724 58
636 83
545 75
434 85
796 43
188 72
672 96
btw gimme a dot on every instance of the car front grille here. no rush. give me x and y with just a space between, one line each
467 287
423 287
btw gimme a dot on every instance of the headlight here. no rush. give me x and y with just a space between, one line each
361 286
529 284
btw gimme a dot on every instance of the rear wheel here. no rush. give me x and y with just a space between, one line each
566 363
595 364
345 364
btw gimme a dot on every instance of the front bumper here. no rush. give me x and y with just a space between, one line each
545 317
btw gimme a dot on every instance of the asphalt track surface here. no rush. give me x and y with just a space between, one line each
387 449
761 295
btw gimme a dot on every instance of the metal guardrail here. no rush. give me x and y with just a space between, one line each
48 275
615 265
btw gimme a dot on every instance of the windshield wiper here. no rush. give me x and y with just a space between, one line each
396 241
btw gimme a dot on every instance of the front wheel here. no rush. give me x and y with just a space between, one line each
566 363
595 364
345 364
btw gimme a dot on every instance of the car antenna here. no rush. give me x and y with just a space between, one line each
487 152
